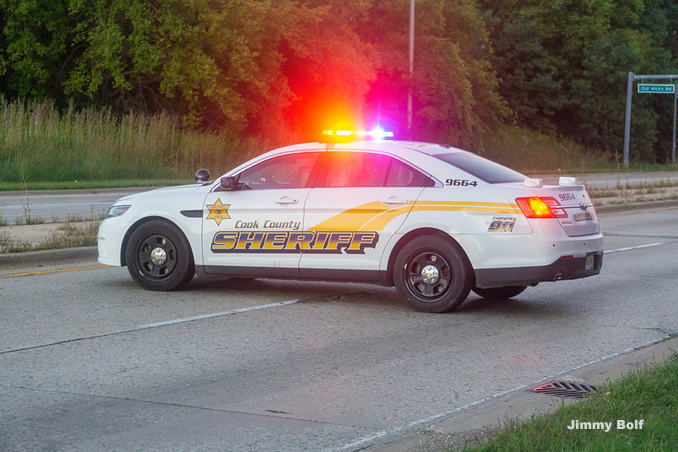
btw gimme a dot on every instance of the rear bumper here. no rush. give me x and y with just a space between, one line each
561 269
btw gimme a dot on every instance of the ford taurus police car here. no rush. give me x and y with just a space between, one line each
434 221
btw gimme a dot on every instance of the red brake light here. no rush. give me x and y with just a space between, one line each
536 207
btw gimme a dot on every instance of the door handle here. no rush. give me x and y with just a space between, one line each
394 201
287 200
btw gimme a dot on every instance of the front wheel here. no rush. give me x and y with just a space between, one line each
432 275
159 257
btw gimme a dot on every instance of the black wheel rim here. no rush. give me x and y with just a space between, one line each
428 276
156 256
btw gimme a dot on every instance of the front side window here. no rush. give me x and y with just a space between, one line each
285 171
363 169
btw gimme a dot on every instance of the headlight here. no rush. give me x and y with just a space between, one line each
116 211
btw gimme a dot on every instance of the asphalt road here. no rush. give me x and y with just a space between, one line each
63 205
89 361
59 205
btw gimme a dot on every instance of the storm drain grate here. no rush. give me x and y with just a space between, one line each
564 389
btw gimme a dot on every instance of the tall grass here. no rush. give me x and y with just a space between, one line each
532 152
39 143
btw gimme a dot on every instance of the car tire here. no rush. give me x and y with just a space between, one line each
499 293
432 274
159 257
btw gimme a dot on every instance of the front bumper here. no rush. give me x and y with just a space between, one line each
110 239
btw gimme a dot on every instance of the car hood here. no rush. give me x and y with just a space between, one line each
178 190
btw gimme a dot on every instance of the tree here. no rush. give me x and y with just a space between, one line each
564 66
239 65
188 57
328 66
34 47
454 86
527 78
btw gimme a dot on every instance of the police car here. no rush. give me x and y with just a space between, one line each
434 221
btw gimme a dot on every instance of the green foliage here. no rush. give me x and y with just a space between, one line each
456 88
289 68
564 66
529 82
187 57
33 47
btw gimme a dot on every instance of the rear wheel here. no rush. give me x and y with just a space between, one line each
159 257
432 274
499 293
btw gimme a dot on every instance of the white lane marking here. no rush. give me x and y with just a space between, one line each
217 314
370 439
630 248
154 325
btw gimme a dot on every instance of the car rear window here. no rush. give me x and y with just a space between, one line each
487 170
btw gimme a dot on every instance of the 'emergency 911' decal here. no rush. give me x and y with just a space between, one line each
501 224
332 242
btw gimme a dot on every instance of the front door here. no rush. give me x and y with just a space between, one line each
254 229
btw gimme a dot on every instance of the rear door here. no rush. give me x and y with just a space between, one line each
359 202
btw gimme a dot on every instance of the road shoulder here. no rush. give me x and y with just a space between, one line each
478 422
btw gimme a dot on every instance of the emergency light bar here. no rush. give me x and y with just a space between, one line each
376 134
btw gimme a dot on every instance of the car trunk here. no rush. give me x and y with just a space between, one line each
576 213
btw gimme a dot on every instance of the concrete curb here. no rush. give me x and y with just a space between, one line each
636 207
66 256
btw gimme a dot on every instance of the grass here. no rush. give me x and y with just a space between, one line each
67 235
92 184
648 394
39 143
532 152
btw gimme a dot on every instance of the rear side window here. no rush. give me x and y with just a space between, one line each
363 169
486 170
402 175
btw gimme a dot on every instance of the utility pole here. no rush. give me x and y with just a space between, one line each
409 90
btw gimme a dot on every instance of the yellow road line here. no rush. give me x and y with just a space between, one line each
46 272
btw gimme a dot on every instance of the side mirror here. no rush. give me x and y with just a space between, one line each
229 183
202 175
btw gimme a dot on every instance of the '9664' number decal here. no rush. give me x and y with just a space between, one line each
461 183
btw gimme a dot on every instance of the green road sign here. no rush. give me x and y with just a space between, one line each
656 88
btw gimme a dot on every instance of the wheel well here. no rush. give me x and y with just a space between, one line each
134 227
404 240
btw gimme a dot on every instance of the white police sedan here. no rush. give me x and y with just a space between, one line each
434 221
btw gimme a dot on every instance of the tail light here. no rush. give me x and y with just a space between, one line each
537 207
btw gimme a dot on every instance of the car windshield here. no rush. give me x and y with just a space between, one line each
487 170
